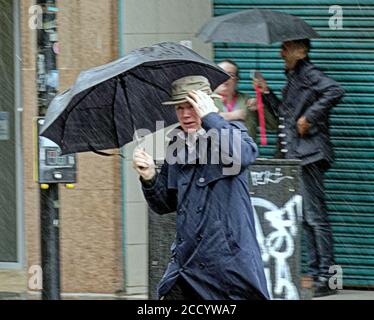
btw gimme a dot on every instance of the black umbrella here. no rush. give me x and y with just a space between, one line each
107 103
256 26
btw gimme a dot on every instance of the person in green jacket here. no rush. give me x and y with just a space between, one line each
235 105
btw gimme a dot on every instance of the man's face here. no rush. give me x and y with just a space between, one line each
291 53
228 88
188 118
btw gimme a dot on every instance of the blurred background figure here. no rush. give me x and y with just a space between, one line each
304 112
236 105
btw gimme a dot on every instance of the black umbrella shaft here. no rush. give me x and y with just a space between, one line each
49 212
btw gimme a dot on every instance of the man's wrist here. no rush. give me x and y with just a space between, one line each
204 115
213 120
148 182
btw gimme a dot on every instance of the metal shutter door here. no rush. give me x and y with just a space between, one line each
348 56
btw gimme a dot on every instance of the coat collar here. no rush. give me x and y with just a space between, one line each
300 64
205 173
184 146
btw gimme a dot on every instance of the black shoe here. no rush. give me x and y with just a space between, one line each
322 289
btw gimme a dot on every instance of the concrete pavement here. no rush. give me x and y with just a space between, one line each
349 295
342 295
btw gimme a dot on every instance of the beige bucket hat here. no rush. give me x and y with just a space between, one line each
181 87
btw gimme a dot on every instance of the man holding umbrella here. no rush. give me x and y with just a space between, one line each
215 255
304 112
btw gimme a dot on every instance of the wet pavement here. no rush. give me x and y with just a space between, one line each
349 295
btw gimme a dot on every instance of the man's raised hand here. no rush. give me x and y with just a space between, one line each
201 102
143 164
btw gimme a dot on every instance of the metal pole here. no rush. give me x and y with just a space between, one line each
50 244
49 197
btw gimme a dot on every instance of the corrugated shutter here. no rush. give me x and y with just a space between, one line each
348 56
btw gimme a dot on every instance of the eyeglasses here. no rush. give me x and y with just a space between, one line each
232 75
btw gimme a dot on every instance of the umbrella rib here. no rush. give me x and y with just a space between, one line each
115 130
72 108
82 98
165 66
148 82
124 88
105 154
113 113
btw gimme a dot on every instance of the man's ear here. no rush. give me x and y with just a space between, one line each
301 53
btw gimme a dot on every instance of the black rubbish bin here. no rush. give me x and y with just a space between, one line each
277 202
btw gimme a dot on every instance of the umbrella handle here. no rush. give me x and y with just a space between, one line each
139 141
261 116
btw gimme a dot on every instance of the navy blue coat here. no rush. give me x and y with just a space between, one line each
215 249
310 93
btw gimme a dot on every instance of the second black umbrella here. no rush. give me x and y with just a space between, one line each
256 26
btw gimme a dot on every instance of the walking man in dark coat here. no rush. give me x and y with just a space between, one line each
215 254
304 134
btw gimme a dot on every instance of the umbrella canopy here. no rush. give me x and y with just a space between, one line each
107 103
256 26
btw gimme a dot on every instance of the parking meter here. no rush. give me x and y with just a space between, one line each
52 167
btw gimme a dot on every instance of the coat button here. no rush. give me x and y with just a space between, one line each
202 265
199 209
180 240
202 180
200 237
181 211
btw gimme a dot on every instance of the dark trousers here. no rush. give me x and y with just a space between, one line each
181 290
316 225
